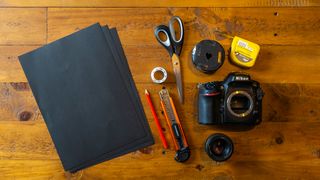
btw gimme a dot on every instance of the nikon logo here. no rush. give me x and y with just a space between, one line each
242 78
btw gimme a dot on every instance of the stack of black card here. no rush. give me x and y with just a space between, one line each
84 89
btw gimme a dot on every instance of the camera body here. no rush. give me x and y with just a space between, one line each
236 100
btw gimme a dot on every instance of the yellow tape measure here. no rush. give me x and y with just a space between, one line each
243 52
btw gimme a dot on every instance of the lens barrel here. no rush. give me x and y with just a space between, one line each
219 147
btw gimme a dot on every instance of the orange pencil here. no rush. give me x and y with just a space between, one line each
163 139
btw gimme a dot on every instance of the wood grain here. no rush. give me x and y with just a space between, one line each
266 142
290 26
17 103
155 3
284 146
283 143
31 169
22 26
229 170
10 69
282 102
290 115
276 64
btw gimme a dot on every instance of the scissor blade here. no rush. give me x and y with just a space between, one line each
177 73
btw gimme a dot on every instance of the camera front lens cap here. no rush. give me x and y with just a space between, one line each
219 147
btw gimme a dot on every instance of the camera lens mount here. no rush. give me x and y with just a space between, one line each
219 147
242 100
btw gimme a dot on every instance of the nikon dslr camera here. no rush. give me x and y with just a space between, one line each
236 100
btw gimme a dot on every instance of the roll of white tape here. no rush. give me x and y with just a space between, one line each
164 73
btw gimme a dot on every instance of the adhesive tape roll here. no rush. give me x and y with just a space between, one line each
164 74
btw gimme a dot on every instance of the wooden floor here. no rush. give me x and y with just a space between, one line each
286 145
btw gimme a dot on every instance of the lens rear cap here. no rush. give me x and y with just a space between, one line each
208 56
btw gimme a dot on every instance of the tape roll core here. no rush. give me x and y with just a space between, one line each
164 73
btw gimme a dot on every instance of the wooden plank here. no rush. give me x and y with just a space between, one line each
17 103
291 146
284 146
31 169
261 25
230 170
31 141
289 131
276 64
22 26
21 169
267 142
10 69
155 3
282 102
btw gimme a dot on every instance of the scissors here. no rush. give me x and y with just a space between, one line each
174 47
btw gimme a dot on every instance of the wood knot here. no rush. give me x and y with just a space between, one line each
279 140
312 112
25 116
199 167
146 150
75 175
317 153
21 86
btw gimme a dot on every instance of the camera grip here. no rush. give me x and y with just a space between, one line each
205 109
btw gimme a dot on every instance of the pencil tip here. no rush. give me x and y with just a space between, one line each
146 91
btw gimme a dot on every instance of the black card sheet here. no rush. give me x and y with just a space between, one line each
84 89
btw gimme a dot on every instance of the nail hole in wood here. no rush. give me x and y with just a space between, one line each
199 167
279 140
25 116
146 150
